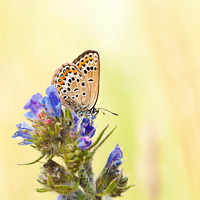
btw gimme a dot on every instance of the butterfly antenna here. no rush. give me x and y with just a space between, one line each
107 111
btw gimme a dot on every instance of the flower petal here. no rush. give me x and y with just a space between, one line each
84 142
52 102
115 156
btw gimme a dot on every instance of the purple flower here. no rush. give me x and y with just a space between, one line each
34 104
115 157
61 197
88 130
76 121
86 120
84 142
24 132
52 103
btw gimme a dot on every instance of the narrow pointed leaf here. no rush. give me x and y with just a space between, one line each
99 137
32 162
111 186
50 182
41 190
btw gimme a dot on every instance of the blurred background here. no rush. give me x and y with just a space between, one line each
150 69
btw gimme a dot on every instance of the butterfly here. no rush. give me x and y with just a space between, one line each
77 83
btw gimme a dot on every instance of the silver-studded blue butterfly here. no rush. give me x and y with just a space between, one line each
77 83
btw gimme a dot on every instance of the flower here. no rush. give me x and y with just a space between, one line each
24 132
115 156
62 197
34 104
111 178
84 142
87 130
52 103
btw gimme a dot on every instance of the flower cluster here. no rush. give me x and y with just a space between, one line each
55 131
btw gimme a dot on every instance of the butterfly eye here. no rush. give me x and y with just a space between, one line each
78 80
64 97
59 80
95 68
61 75
84 93
67 68
73 79
76 95
86 57
64 70
90 55
91 68
82 60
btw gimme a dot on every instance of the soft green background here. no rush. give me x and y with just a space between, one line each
150 71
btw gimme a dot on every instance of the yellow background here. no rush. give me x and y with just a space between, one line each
150 69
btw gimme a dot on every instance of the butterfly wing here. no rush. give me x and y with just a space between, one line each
88 63
71 86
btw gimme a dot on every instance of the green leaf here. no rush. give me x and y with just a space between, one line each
111 186
99 137
95 149
66 189
50 182
32 162
41 190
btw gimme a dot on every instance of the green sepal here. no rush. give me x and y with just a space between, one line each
63 117
57 128
68 115
43 129
111 186
51 132
50 182
60 147
41 190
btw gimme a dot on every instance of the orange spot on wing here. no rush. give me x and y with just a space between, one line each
74 71
59 88
62 77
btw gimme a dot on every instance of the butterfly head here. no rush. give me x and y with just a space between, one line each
94 111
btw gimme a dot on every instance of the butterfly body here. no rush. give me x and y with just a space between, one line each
77 83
